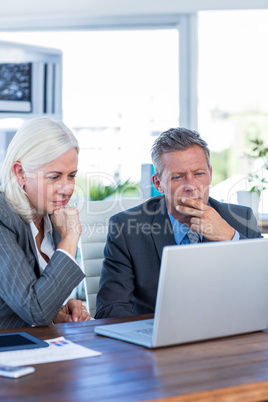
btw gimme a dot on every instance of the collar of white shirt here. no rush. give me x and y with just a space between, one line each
47 245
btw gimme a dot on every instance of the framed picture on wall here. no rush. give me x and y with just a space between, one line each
16 87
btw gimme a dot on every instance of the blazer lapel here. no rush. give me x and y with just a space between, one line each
162 231
205 240
56 236
33 248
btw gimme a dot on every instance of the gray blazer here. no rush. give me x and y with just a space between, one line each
133 251
26 297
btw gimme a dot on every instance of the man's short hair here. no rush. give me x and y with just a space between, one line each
176 139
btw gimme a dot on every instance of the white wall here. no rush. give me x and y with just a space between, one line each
17 14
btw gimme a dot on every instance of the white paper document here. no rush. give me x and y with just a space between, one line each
58 349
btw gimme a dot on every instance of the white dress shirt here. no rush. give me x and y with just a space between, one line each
47 246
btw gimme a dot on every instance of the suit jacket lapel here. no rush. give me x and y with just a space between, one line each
33 248
205 240
162 231
56 237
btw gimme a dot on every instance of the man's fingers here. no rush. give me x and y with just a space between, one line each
185 210
193 203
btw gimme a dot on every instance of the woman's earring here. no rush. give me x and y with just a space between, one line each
22 186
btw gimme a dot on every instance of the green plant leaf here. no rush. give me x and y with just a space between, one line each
98 191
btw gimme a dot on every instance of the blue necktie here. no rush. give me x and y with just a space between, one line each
193 236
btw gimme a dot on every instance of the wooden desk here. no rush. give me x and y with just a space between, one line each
228 369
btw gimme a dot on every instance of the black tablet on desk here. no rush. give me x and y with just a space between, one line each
20 340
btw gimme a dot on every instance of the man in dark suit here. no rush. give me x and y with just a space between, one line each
185 214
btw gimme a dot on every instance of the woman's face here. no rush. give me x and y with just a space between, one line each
51 186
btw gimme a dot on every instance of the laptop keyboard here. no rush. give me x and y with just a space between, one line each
147 331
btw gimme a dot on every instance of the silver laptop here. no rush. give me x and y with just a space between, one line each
205 291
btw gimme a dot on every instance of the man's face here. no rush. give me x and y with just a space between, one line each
185 174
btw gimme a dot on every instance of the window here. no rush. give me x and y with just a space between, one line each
120 90
233 84
233 101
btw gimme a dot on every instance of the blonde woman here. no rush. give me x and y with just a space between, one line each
38 232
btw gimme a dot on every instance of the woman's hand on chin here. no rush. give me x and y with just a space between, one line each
67 223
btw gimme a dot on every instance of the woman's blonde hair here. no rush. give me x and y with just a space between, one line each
38 142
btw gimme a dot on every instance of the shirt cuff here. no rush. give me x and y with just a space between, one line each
236 236
69 255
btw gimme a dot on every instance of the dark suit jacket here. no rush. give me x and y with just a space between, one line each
26 298
133 251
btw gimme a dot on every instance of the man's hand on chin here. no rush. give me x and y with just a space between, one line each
205 220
